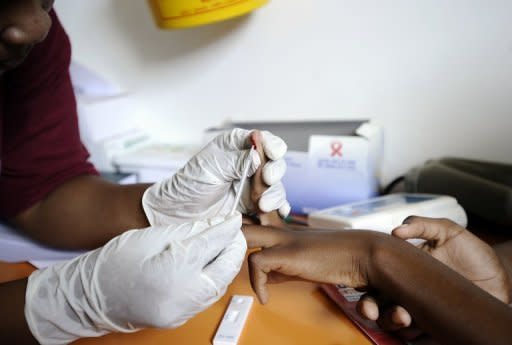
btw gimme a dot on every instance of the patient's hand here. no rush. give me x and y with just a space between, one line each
458 249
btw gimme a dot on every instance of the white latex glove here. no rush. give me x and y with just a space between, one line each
206 186
155 277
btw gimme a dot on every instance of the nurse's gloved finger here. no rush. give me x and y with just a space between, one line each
223 269
210 242
235 139
182 231
273 146
285 209
246 157
273 198
273 171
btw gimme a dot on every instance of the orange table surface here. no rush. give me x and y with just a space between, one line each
297 313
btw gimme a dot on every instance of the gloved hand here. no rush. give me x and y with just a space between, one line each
206 186
155 277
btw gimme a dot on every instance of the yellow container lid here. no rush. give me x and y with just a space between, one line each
175 14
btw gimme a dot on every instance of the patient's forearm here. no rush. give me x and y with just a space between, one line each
443 303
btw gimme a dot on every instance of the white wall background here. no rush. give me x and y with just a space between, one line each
436 74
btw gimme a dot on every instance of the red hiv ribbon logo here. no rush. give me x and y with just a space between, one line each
336 147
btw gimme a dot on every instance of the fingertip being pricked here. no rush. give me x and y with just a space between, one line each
256 138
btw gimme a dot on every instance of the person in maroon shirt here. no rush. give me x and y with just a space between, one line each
49 191
47 188
43 161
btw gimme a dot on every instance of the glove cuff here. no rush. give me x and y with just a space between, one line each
48 313
61 304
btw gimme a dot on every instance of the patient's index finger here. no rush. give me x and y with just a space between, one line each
258 236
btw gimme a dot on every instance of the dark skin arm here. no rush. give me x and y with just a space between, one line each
14 328
84 213
443 303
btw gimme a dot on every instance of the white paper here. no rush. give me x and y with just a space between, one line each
15 247
88 83
107 117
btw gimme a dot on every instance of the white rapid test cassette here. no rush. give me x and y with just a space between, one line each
233 321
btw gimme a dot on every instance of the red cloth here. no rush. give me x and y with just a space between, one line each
40 143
